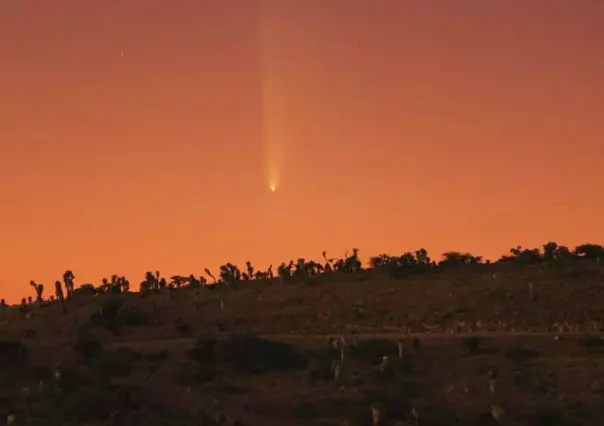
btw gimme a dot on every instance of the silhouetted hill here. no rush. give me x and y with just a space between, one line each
522 335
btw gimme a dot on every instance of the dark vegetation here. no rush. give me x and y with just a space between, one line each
404 341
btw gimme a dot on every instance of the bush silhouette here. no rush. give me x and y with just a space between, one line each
592 342
87 289
90 403
13 353
247 354
118 363
254 354
192 373
372 351
131 315
472 344
520 354
203 351
88 348
114 313
184 329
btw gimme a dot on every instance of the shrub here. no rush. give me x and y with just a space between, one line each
520 354
320 367
30 333
130 315
531 382
594 342
416 344
203 351
119 363
13 353
472 344
113 313
372 351
159 356
191 373
89 403
88 348
394 401
42 373
247 353
184 329
86 289
548 418
305 410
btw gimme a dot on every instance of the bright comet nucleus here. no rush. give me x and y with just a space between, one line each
273 187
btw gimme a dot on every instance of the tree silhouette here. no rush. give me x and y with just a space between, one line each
86 289
563 253
162 283
458 258
300 268
150 282
250 269
328 266
68 278
352 264
207 271
526 255
383 260
338 264
590 251
553 252
311 268
421 256
230 274
283 271
60 296
39 288
125 284
549 250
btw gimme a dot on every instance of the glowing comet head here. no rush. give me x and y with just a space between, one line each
273 187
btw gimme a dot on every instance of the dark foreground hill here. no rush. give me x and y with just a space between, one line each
493 344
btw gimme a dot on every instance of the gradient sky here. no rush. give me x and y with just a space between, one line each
391 124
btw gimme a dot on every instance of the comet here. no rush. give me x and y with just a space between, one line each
275 127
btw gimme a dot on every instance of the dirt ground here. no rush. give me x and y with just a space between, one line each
461 345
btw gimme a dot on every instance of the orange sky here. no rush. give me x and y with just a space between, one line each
452 125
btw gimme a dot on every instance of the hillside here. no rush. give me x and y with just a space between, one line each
459 339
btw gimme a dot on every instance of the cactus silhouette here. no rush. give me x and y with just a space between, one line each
68 278
23 307
249 269
207 271
60 296
39 288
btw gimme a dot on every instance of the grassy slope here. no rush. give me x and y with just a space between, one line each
540 379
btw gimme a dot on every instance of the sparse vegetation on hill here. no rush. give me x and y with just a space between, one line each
406 340
300 270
